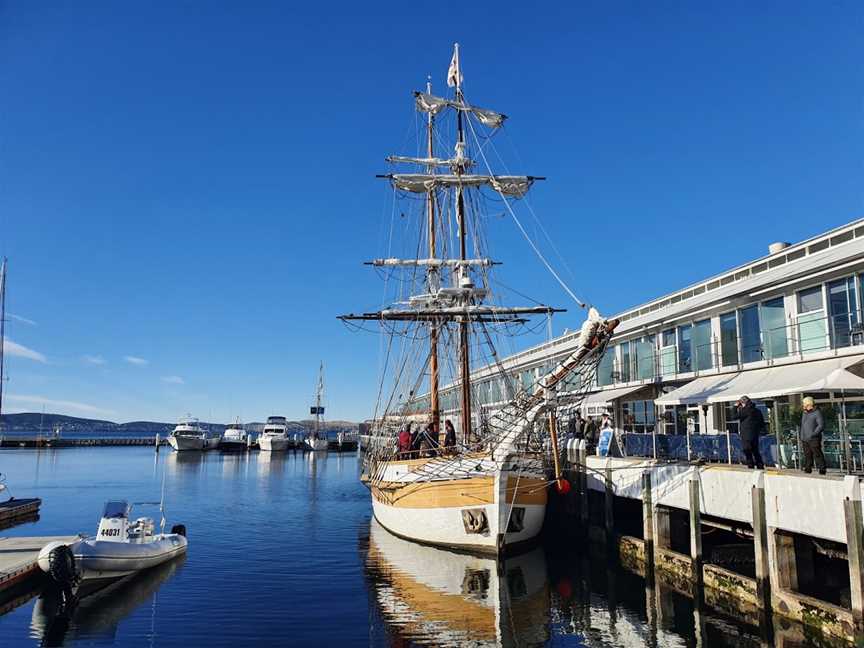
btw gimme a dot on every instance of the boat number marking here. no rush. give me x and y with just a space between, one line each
110 532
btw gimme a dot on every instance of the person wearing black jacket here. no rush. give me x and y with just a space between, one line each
750 425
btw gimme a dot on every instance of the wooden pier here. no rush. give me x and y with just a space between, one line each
13 511
792 540
18 559
11 443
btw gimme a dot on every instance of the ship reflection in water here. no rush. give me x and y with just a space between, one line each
422 595
98 613
437 597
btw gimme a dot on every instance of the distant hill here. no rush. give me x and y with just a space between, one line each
36 421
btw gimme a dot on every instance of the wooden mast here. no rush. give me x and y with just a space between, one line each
434 408
464 349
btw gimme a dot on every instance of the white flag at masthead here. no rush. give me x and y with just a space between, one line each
454 74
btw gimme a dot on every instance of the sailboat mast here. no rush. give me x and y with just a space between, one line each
318 400
434 408
2 327
464 349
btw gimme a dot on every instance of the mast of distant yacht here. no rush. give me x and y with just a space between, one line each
318 409
2 327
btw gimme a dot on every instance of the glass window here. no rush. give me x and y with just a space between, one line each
605 368
624 370
842 303
748 327
645 358
668 354
812 327
729 339
685 352
638 416
572 382
773 316
702 353
810 300
495 390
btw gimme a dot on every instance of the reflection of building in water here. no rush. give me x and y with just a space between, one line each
440 598
99 613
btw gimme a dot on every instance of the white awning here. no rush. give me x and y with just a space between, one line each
800 378
606 396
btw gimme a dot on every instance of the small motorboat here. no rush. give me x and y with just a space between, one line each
234 438
120 548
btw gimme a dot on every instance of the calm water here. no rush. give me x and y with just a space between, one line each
283 551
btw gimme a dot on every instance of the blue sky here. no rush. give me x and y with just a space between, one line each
186 195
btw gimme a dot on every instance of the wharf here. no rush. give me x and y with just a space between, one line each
11 443
748 542
13 510
18 558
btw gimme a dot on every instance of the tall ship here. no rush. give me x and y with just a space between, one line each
189 434
317 438
274 436
478 481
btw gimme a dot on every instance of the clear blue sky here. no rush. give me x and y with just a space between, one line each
195 188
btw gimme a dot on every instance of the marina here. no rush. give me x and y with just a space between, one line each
587 281
386 589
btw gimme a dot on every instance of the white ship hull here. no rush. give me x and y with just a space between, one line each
494 512
315 444
272 444
180 443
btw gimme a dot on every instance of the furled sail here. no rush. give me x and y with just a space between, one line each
433 263
431 104
427 161
516 186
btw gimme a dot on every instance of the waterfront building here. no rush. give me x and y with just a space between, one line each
777 328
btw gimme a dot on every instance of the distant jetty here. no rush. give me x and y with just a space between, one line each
37 423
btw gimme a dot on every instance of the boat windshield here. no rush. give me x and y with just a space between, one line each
119 509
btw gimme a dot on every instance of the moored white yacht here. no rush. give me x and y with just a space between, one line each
190 435
274 436
234 437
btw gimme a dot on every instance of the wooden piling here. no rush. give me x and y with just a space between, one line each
584 512
695 533
855 549
785 567
760 542
610 504
648 524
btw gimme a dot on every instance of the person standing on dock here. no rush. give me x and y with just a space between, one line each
405 441
590 434
449 436
812 426
750 425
